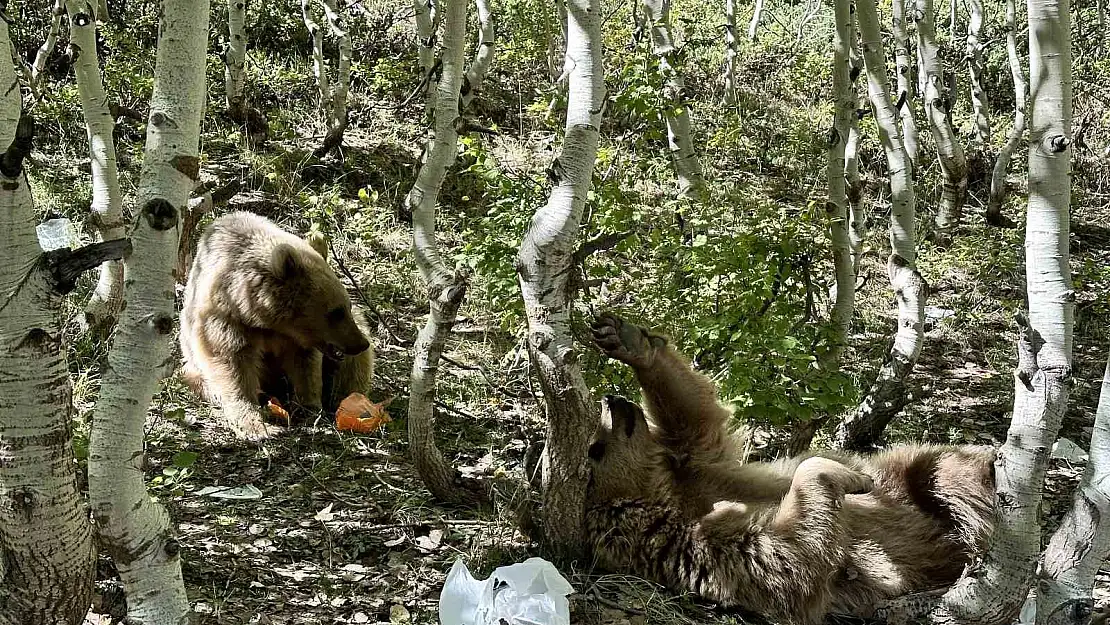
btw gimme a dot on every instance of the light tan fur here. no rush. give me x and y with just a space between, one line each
671 498
264 313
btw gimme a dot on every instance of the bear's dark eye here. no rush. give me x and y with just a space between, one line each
335 315
597 450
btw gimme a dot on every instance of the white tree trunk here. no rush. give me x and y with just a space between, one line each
1002 163
107 198
133 529
887 395
487 41
757 16
904 73
333 94
857 226
730 52
993 590
950 152
235 76
691 182
844 108
446 289
1082 543
974 53
47 47
46 545
545 267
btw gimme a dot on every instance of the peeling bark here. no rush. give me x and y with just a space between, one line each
544 269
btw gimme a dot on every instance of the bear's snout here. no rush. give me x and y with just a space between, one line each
357 347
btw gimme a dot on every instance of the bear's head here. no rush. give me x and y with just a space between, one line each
626 460
319 310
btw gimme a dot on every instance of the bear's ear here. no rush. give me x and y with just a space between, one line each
284 261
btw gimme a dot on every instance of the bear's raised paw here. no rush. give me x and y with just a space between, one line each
624 341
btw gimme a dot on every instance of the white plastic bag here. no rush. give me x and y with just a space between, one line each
527 593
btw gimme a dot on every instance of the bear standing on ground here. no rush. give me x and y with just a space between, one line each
263 313
670 498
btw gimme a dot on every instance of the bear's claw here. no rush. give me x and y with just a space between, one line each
623 341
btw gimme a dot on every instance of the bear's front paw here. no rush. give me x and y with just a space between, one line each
624 341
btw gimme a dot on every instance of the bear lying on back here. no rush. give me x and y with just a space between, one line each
264 313
671 499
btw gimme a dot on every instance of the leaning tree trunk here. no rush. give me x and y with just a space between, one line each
757 16
1002 163
487 41
730 52
446 289
1082 544
333 95
47 47
132 528
691 182
887 395
107 200
950 152
48 559
904 70
974 54
844 108
994 588
544 268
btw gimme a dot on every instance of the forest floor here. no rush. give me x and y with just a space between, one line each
344 532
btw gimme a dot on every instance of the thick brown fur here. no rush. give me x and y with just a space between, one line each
672 499
264 313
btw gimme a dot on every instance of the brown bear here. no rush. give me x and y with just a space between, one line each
265 314
671 498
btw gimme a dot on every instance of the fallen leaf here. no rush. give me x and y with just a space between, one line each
325 515
357 413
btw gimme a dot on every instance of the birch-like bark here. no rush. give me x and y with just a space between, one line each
857 225
950 152
1002 162
691 181
235 76
887 395
47 47
1066 580
134 530
446 289
48 558
757 16
904 69
425 48
844 108
544 268
993 590
333 94
487 41
107 198
974 53
730 52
